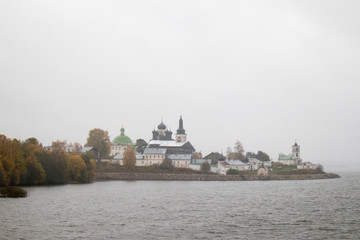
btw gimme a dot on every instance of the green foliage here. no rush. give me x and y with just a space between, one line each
167 165
205 167
140 145
233 172
262 156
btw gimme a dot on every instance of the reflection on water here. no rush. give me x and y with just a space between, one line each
311 209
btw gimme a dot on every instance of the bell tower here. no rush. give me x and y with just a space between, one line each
295 151
180 133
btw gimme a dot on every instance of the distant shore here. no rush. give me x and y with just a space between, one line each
107 176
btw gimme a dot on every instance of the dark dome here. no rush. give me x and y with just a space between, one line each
161 126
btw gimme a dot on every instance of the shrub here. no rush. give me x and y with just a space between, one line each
205 167
167 165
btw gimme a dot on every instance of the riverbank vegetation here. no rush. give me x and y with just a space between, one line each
27 163
14 192
162 168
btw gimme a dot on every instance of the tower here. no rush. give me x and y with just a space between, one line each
295 151
180 133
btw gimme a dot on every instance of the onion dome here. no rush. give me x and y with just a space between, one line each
122 139
162 126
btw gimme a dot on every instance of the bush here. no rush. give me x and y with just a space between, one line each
205 167
232 172
167 165
13 192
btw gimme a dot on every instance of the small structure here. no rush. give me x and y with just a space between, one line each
180 160
291 159
307 165
215 156
120 143
262 171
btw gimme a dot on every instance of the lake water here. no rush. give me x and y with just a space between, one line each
310 209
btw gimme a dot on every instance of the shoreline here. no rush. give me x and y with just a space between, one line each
107 176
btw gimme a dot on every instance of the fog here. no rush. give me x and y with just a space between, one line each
261 72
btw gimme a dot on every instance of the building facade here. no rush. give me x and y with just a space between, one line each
120 143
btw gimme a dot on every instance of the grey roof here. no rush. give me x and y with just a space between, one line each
121 156
179 156
82 150
166 143
155 151
200 161
254 160
234 162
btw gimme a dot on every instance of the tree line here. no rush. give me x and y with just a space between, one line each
27 163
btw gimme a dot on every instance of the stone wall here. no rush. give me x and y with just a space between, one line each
206 177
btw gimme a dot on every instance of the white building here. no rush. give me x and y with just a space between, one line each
291 159
120 143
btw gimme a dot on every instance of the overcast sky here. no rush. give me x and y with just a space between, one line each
262 72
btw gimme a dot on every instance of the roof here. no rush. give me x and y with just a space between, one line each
82 150
155 150
121 156
254 160
122 139
218 156
179 156
200 161
170 143
234 162
285 157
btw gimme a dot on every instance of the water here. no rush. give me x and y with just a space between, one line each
314 209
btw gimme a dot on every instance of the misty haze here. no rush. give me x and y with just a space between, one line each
174 108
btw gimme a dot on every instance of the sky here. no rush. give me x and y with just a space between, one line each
265 73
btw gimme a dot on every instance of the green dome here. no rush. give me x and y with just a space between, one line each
122 139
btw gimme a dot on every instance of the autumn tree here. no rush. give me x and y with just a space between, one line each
129 159
197 155
76 148
100 140
238 152
140 145
58 146
76 169
205 167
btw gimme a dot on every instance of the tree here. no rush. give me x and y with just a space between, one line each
33 141
59 146
263 156
229 153
239 151
140 145
197 155
167 165
129 159
100 140
76 148
205 167
76 169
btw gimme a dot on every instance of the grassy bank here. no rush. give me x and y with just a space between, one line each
113 168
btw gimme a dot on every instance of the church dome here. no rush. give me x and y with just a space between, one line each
162 126
122 139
